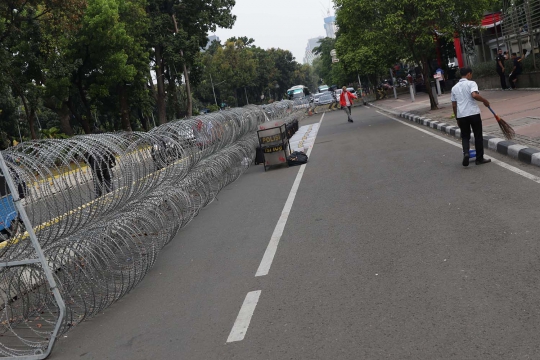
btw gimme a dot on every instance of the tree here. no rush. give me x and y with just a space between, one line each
91 61
249 71
331 73
177 40
27 33
403 30
324 63
236 66
109 53
305 75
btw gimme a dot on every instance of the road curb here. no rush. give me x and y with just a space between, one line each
527 155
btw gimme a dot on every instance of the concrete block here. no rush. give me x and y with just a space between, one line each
513 150
535 159
492 143
526 155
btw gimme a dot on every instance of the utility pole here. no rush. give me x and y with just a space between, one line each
186 75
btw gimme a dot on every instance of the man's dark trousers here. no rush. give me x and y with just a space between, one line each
503 80
467 123
513 77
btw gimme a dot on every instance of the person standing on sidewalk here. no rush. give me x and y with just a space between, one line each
464 96
517 69
346 100
500 69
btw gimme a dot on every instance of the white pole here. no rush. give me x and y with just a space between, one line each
411 89
39 124
438 82
18 121
212 81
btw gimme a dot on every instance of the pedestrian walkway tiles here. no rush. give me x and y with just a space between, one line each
527 126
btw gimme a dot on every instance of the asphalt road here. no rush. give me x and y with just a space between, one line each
392 250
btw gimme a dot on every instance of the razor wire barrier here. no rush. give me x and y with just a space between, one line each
12 198
102 207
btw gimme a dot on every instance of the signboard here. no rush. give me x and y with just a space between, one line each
270 139
273 149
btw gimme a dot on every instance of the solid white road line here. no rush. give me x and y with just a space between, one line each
241 324
495 161
271 249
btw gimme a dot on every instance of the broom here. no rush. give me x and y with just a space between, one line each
506 129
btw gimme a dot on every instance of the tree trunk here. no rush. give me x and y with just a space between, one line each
173 89
29 117
427 78
124 108
144 120
160 99
186 76
188 89
84 123
63 114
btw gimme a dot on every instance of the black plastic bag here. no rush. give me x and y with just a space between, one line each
297 158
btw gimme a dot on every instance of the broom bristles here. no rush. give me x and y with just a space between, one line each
506 129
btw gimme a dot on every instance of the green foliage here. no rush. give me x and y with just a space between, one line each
239 70
405 30
213 108
103 43
488 68
85 63
483 69
53 133
527 63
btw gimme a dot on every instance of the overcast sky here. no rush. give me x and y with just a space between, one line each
285 24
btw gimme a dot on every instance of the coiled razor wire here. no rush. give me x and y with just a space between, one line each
103 206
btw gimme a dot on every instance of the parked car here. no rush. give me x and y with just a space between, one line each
315 98
351 90
323 88
326 98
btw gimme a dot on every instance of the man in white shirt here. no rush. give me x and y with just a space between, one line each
464 96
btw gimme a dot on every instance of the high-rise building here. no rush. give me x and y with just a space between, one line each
312 44
330 26
211 39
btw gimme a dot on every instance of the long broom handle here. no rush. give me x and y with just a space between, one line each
493 112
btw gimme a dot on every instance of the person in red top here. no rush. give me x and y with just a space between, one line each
346 100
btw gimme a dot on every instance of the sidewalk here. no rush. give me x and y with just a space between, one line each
521 109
